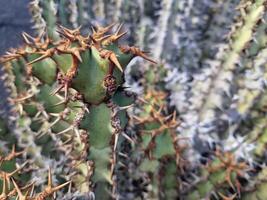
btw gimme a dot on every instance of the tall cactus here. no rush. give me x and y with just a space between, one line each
67 87
215 57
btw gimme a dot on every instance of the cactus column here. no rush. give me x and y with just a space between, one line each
69 84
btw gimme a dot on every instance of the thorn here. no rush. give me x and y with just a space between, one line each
137 52
18 169
128 138
76 131
93 30
123 155
57 90
20 195
93 39
54 122
66 130
121 164
60 186
103 30
46 54
5 188
60 103
115 142
143 55
78 55
126 107
113 58
49 177
120 35
118 29
25 38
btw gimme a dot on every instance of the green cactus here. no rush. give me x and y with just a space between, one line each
9 178
218 177
212 79
158 144
67 86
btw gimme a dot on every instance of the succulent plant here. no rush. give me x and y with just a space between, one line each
9 177
197 129
71 86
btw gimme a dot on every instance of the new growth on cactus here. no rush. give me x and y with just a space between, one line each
73 87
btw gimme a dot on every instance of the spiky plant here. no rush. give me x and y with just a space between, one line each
215 56
72 87
9 177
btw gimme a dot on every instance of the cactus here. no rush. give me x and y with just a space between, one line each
214 60
67 87
161 155
9 181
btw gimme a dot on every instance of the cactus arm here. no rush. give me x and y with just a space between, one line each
243 35
49 14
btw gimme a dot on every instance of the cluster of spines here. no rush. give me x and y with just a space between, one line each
11 190
12 173
218 178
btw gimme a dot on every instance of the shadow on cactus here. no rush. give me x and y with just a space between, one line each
72 88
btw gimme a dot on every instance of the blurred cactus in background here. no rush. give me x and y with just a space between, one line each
190 127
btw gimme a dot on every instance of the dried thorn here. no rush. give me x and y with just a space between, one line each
119 29
23 98
113 58
13 154
143 55
5 188
60 186
120 35
93 30
18 169
46 55
103 30
49 178
20 195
